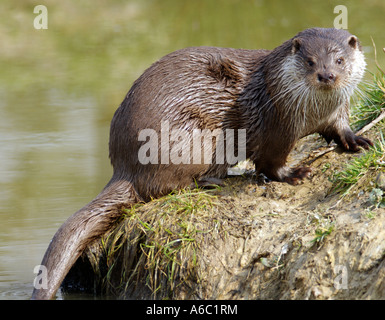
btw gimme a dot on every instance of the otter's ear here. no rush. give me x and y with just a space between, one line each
295 45
353 42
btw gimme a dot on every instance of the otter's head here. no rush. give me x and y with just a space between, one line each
328 59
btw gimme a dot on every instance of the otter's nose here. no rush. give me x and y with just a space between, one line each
326 77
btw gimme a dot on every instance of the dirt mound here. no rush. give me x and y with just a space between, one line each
248 240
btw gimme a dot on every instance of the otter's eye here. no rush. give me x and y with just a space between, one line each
339 61
310 63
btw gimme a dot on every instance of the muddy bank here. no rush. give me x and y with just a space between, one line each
251 239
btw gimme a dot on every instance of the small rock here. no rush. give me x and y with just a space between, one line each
317 292
380 181
265 262
375 196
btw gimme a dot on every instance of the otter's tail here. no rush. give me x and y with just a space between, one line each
79 230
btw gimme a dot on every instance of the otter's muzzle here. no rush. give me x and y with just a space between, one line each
326 77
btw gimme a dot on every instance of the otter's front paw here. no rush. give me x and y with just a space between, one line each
353 142
297 175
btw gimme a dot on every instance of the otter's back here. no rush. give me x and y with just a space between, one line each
192 88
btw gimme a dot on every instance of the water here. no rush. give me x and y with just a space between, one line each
60 87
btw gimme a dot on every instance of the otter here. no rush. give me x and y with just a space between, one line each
301 87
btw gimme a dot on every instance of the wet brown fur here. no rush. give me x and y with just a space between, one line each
216 88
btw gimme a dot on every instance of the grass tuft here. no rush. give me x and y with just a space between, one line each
373 160
372 103
154 248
